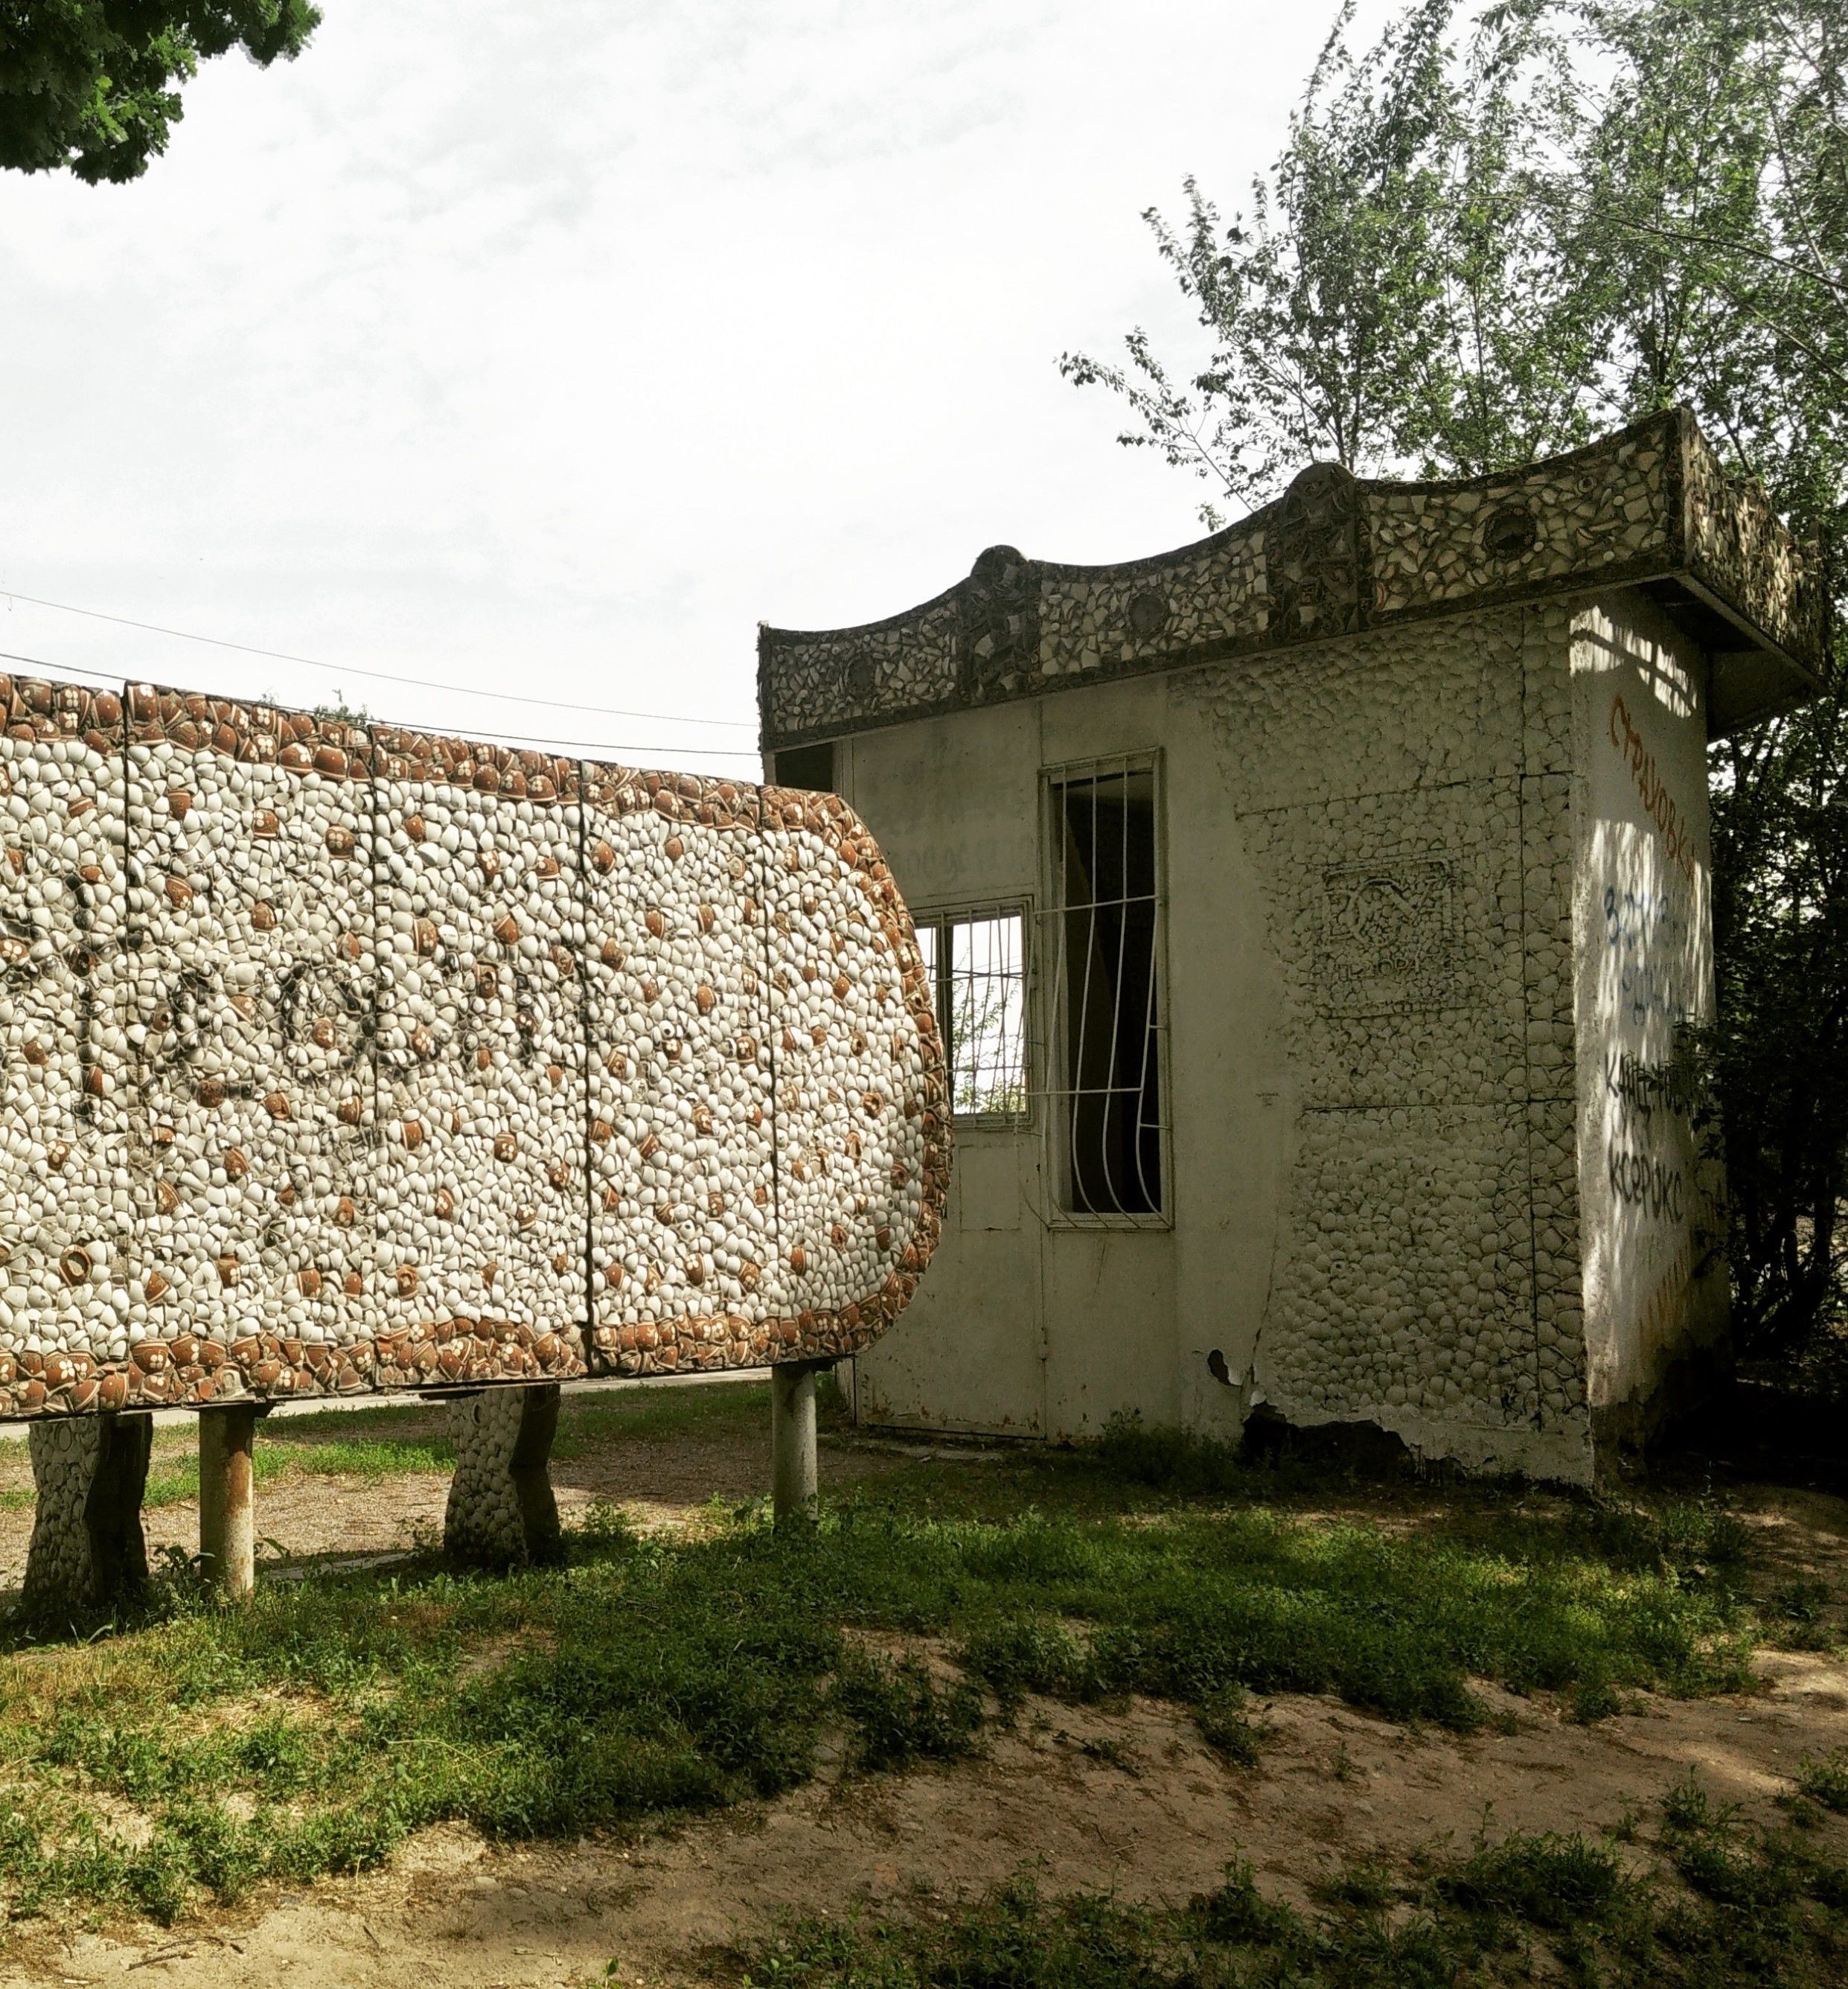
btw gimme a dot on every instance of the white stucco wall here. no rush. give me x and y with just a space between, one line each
1028 1327
1654 1282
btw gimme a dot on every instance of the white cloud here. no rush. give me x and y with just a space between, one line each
548 348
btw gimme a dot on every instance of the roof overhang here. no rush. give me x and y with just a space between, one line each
1649 507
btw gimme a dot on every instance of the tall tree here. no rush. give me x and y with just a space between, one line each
1492 233
92 86
1711 195
1392 295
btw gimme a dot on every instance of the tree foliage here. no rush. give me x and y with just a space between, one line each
1779 1051
1394 294
1492 234
92 86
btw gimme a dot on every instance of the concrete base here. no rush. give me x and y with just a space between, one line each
501 1512
88 1551
1559 1455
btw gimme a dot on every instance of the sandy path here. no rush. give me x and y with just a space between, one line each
1156 1820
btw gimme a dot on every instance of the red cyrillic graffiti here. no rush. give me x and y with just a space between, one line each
1658 803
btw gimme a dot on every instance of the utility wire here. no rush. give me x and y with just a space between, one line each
627 754
65 669
630 755
378 676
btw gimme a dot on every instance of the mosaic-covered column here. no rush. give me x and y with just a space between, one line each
501 1512
88 1551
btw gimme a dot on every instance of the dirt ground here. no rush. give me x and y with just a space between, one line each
1127 1799
660 1483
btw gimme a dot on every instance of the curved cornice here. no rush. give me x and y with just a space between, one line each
1336 555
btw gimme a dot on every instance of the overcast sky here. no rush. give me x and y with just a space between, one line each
547 349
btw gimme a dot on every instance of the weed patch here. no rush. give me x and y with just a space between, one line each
1548 1881
901 1714
1228 1729
1527 1908
1825 1781
1795 1617
1366 1888
196 1751
1762 1905
1025 1653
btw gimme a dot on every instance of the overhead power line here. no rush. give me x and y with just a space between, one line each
589 750
631 755
378 677
112 678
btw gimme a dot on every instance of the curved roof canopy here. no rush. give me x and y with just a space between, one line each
1649 506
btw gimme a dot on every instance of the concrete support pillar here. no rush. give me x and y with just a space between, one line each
501 1513
228 1498
88 1551
795 1491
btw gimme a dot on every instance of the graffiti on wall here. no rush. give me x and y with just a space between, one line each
1640 1090
1650 992
1647 1194
1658 800
1651 1105
1647 1185
338 1057
1648 931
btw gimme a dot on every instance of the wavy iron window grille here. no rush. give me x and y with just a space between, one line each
1103 940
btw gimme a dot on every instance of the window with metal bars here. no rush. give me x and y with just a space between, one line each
1103 942
977 962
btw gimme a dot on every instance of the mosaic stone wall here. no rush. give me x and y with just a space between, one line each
1738 545
339 1059
1332 557
1405 802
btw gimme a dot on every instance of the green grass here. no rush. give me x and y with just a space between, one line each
1796 1618
1825 1781
1717 1904
199 1749
900 1714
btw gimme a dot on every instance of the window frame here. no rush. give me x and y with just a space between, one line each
940 919
1056 1122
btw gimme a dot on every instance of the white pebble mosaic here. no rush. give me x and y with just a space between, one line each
342 1059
